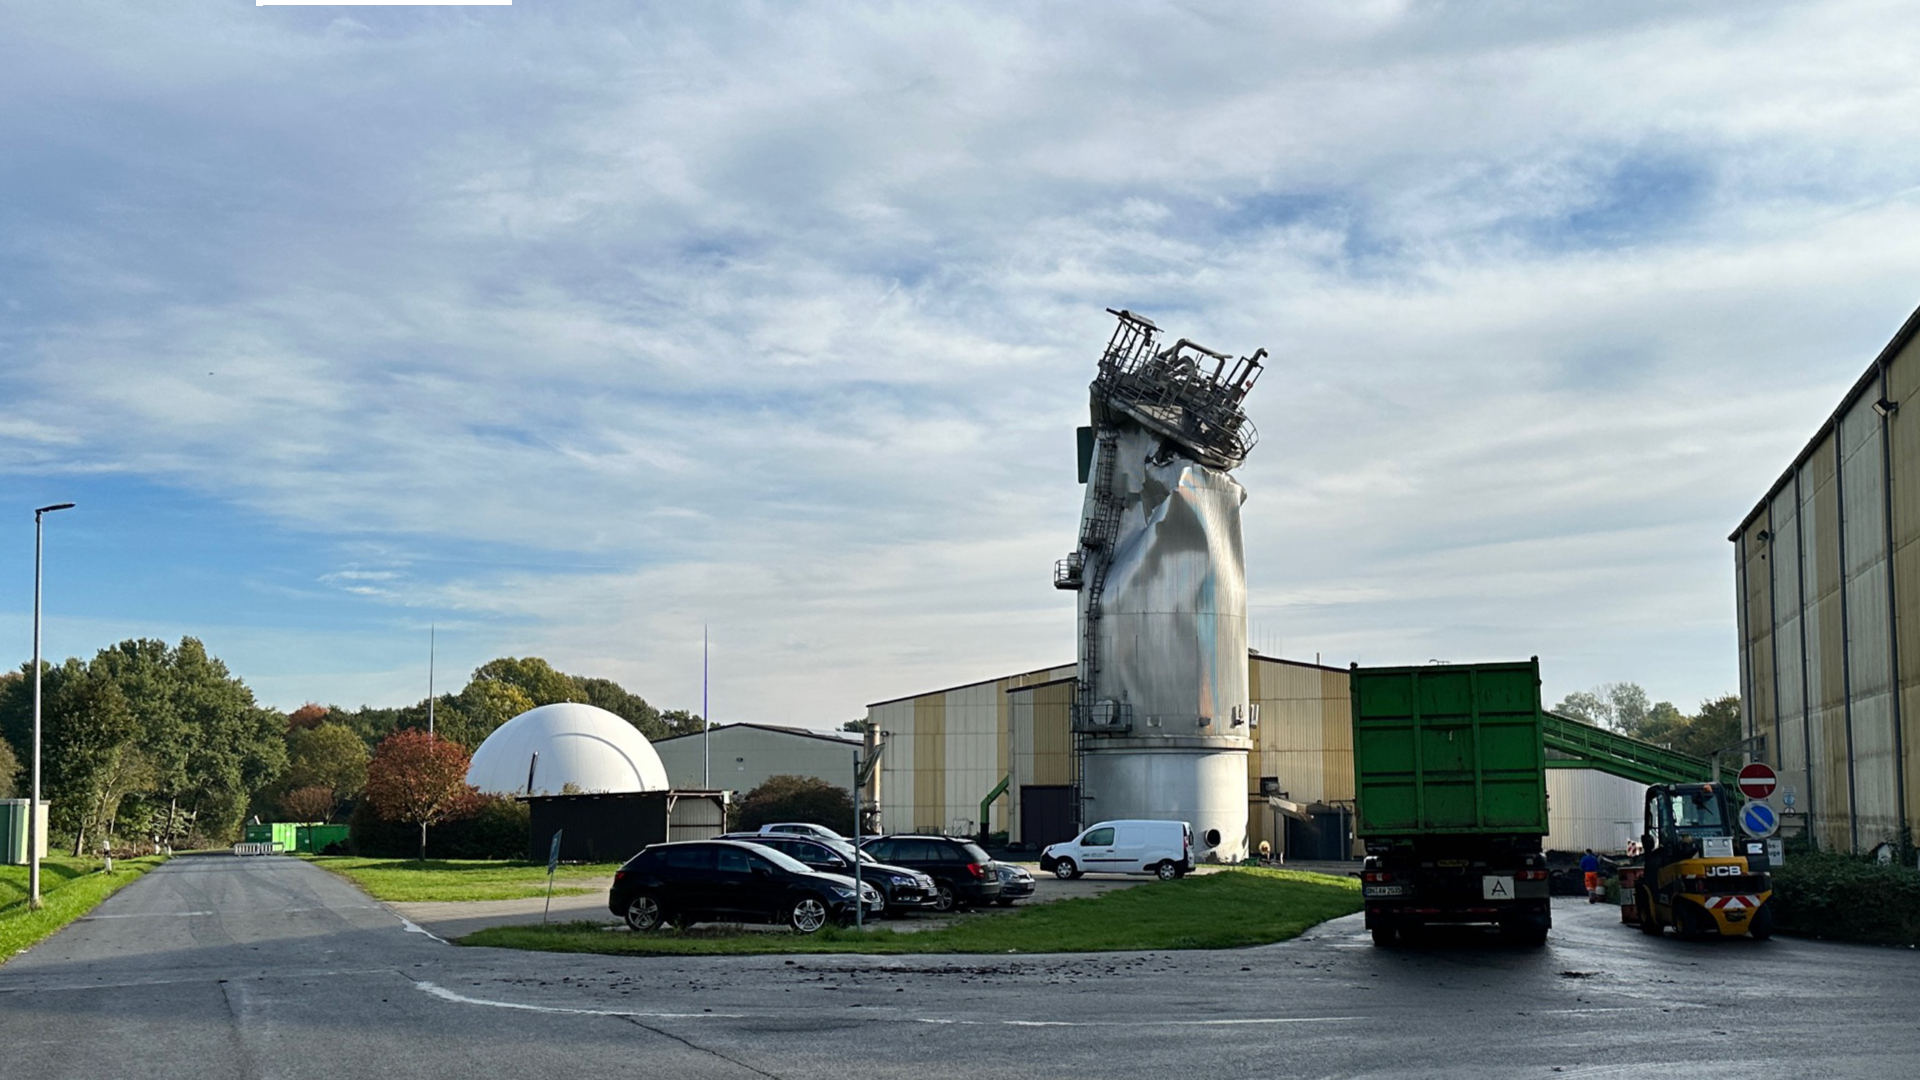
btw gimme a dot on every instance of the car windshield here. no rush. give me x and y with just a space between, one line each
782 860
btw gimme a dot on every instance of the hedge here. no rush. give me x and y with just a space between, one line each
1847 898
499 829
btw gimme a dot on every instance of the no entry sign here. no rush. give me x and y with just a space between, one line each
1757 781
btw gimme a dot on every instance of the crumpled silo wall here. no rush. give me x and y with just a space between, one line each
1173 613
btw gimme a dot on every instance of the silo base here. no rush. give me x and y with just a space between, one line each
1201 782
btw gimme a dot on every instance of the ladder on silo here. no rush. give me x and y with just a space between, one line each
1097 535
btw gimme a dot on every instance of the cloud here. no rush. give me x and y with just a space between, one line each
592 324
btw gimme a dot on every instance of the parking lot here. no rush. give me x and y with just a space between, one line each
453 919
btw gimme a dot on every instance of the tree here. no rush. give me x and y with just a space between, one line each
420 780
616 699
306 716
1621 706
309 804
329 757
858 727
682 722
532 675
479 710
797 798
9 771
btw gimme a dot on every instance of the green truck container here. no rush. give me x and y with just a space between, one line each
314 839
1449 749
283 833
1450 788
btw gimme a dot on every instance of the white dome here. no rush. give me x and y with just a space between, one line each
578 744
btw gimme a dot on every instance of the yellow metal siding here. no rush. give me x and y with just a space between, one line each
929 764
1826 670
1903 442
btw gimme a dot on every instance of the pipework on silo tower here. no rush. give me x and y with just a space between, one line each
1161 715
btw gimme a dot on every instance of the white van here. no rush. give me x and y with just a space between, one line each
1124 847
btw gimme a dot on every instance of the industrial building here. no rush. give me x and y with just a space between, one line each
1827 572
741 757
949 750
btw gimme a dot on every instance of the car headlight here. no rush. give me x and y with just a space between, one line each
899 880
843 892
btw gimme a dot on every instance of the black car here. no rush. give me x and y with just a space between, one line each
963 875
722 880
904 889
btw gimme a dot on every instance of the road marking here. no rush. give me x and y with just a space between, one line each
147 915
445 994
412 927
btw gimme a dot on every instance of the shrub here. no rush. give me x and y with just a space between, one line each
806 799
1847 898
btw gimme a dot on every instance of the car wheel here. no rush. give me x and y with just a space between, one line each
645 914
1003 902
1166 871
945 900
1649 918
808 915
1065 869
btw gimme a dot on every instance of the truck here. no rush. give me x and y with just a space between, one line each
1698 874
1449 765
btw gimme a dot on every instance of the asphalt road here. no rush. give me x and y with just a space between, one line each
224 967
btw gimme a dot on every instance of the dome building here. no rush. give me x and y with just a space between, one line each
566 747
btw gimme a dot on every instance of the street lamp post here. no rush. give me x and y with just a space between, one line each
33 801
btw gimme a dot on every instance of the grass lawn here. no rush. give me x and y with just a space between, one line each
69 888
460 879
1211 911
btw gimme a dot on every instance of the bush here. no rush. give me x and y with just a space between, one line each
1847 898
498 828
806 799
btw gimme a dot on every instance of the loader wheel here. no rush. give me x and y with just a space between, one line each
1693 922
1761 928
1649 919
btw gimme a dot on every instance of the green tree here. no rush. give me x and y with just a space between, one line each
534 676
797 798
9 771
479 710
329 757
681 722
616 699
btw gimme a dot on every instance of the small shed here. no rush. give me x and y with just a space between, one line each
613 826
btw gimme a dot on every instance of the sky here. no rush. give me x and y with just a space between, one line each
578 329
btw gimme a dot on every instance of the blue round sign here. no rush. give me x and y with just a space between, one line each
1759 820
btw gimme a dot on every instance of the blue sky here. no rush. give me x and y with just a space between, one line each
570 327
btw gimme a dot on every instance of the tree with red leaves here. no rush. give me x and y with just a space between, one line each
306 716
421 780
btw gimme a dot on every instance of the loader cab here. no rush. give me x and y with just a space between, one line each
1678 816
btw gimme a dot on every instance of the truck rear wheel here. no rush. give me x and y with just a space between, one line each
1384 936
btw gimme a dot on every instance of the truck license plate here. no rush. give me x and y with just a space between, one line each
1370 891
1496 887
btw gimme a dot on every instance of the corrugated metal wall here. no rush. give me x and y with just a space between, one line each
1587 808
1826 569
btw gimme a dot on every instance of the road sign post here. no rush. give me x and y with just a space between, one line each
553 862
